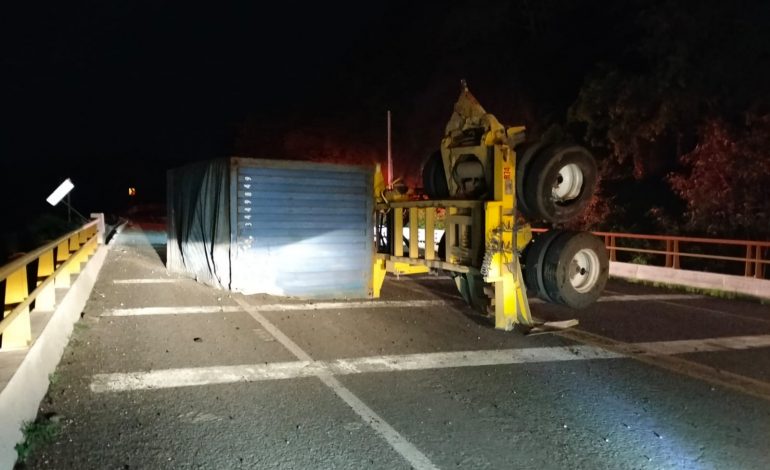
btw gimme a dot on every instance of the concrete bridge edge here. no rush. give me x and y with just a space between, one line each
21 397
750 286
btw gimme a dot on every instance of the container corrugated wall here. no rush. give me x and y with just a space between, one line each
301 229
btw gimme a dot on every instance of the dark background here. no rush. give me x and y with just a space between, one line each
112 93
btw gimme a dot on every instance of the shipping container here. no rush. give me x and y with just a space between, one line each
276 227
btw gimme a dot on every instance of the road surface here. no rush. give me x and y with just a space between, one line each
162 372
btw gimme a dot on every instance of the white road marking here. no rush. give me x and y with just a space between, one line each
648 297
348 305
732 343
663 354
170 378
634 298
129 312
145 281
407 450
286 307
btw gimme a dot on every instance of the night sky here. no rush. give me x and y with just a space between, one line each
113 93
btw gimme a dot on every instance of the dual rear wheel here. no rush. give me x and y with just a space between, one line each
566 267
555 183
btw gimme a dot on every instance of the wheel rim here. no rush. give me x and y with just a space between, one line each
569 182
584 270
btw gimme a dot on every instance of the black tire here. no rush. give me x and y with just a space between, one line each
523 164
534 257
575 269
548 196
433 177
471 289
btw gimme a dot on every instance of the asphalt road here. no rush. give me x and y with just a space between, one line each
650 379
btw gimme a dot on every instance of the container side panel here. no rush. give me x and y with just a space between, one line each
303 232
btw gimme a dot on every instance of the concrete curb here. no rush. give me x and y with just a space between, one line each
680 277
21 397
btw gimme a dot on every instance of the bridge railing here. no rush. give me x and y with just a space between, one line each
31 280
753 255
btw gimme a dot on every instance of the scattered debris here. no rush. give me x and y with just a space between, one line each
198 339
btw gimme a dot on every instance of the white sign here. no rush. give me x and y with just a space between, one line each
60 192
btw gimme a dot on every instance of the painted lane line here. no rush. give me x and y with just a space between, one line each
171 378
707 309
659 354
732 343
130 312
145 281
348 305
634 298
408 451
648 297
367 304
126 312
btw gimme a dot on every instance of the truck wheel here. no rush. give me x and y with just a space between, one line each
575 269
523 164
534 256
471 288
433 177
560 183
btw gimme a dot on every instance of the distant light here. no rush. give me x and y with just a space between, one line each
60 192
132 191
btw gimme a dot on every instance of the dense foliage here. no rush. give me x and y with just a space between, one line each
672 97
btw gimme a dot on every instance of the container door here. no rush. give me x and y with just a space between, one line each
303 230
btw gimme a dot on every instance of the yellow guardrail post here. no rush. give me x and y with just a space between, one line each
62 255
46 299
18 334
56 261
74 266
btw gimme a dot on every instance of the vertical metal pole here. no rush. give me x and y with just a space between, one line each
749 254
759 268
676 254
390 157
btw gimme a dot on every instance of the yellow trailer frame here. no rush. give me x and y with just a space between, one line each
483 238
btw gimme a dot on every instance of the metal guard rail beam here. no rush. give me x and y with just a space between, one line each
55 262
754 260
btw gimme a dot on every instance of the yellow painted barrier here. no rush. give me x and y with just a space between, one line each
56 261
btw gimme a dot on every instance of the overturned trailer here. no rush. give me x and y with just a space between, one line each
272 226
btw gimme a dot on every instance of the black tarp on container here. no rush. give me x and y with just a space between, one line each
272 226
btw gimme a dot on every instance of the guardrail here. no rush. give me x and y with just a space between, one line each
672 250
45 268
